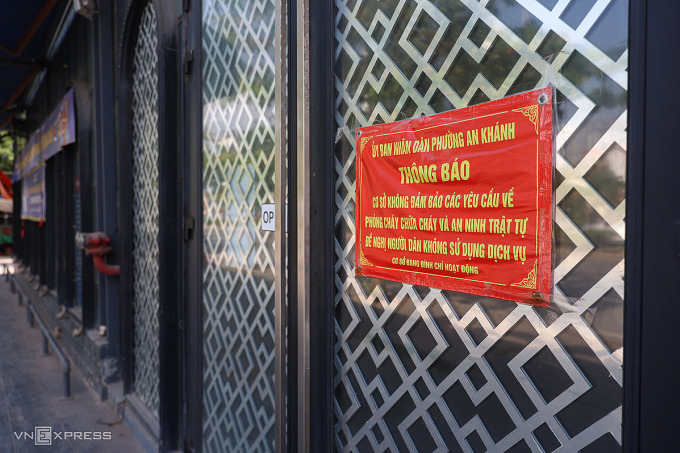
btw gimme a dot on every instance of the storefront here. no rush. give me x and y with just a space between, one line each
260 168
411 368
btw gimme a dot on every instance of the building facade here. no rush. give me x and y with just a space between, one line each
215 149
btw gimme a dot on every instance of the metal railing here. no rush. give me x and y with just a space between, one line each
47 339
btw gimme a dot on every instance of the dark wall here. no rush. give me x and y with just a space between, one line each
51 242
74 61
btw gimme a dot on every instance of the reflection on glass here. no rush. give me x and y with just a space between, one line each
418 368
238 272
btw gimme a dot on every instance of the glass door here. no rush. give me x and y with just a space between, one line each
240 130
423 369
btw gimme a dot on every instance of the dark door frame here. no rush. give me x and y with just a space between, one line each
314 245
192 96
171 253
84 113
651 375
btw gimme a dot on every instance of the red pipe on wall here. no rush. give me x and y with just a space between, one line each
103 267
97 245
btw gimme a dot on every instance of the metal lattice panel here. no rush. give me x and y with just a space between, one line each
420 369
238 176
145 218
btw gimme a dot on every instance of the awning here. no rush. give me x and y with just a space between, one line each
26 27
6 199
5 186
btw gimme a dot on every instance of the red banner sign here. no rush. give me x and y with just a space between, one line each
461 200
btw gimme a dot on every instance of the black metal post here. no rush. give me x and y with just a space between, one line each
47 337
45 345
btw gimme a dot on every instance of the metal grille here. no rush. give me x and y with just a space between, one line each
238 176
145 209
421 369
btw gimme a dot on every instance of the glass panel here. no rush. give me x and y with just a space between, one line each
145 209
238 177
420 369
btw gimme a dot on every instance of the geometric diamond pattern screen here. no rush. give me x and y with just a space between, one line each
145 218
420 369
238 274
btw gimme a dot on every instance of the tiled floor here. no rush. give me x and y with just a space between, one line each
30 395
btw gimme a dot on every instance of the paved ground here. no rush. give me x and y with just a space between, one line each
30 389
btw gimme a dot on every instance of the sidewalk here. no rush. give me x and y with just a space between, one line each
30 396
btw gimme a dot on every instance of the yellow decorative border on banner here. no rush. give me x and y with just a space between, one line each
531 112
530 281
